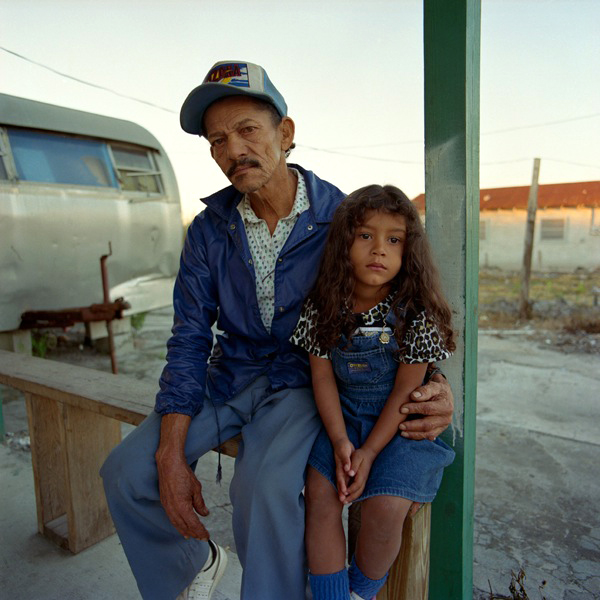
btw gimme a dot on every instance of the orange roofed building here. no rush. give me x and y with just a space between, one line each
567 227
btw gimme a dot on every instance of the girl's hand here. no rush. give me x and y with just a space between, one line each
362 460
342 452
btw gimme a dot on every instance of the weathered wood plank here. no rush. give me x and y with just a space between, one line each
58 531
47 458
116 396
87 440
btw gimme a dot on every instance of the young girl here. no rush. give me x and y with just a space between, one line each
375 318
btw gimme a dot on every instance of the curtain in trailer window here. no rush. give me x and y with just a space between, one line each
136 170
50 158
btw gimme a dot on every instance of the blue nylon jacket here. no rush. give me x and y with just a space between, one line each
216 283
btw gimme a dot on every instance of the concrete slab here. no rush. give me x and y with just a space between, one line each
537 483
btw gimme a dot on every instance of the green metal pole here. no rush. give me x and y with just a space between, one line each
451 44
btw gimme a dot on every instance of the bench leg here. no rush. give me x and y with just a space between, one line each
68 447
409 575
48 463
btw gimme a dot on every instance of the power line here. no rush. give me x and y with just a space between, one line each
347 154
505 162
404 142
338 149
544 124
528 159
94 85
568 162
506 130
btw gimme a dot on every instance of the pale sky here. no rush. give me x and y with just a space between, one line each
351 73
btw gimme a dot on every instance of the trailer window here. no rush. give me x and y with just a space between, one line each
136 170
50 158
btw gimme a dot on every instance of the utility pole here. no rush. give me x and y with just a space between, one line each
524 306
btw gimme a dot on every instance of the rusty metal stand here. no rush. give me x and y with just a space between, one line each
107 311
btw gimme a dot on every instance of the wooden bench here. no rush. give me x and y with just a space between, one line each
74 421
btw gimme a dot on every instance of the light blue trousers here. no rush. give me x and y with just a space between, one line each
278 430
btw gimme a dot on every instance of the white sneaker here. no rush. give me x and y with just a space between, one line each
355 596
205 583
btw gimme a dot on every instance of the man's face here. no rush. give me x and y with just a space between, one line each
244 142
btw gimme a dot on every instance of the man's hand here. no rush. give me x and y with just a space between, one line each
435 402
180 490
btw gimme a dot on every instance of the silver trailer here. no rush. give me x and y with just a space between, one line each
71 183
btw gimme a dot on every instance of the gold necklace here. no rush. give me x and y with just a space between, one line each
384 336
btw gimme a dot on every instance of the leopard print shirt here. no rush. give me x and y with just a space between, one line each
422 341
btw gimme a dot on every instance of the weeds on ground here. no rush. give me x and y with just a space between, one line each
517 588
572 288
564 305
581 324
137 320
42 342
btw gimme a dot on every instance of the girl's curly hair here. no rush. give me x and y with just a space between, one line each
416 287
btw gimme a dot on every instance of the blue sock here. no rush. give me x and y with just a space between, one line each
333 586
361 584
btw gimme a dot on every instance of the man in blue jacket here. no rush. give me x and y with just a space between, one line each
248 261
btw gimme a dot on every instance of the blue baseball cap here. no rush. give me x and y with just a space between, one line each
228 78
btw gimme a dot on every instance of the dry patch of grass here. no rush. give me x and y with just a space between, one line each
572 288
563 310
517 588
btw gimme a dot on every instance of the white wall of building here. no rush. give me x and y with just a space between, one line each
564 239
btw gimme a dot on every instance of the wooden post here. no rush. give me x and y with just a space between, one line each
452 40
68 446
524 306
48 464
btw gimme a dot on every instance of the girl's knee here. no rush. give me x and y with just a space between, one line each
320 495
385 514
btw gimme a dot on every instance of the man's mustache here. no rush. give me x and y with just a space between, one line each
246 162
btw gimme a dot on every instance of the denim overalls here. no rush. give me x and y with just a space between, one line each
365 371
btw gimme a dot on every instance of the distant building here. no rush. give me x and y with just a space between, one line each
567 227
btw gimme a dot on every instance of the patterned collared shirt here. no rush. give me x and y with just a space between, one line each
265 248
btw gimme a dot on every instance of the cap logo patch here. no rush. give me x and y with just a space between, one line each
229 74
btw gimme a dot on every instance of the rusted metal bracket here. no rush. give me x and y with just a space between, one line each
106 295
107 311
39 319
